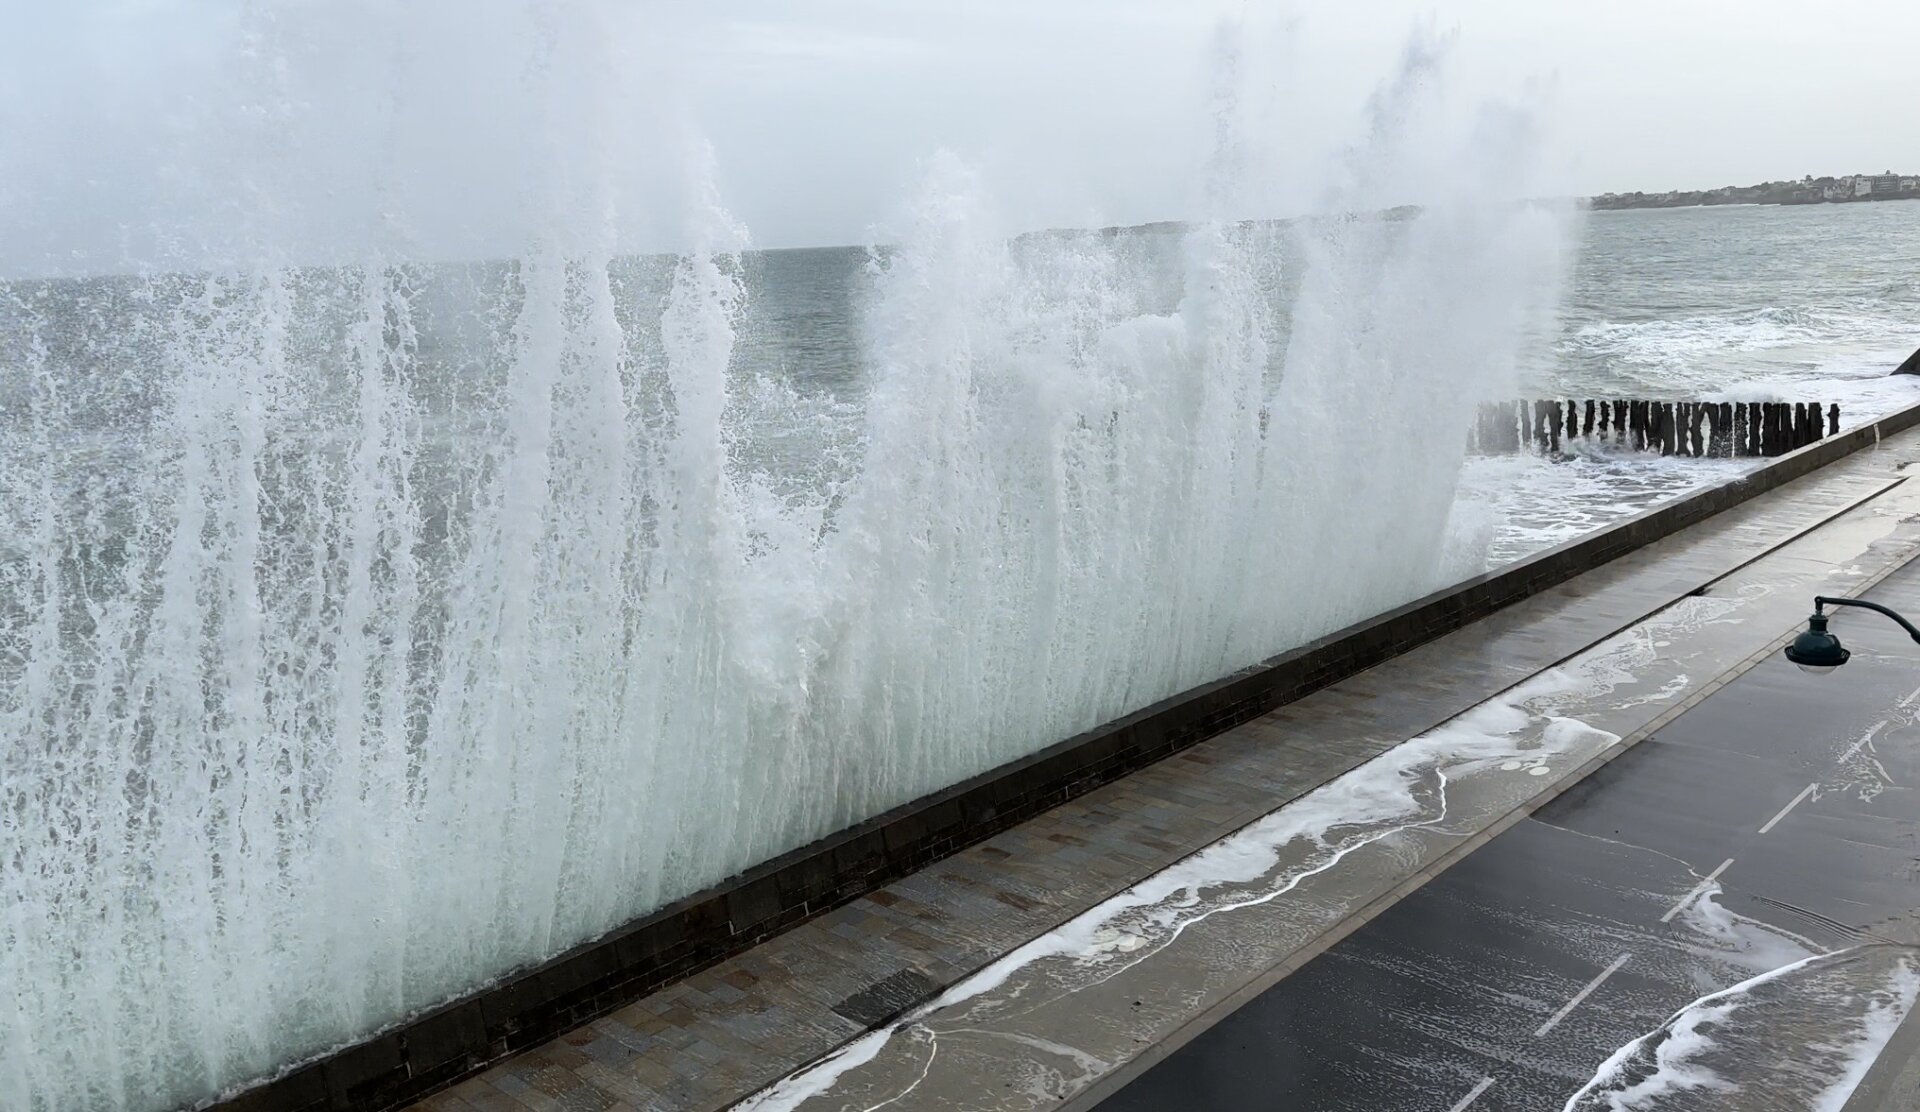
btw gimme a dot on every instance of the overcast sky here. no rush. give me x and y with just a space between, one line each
120 117
1640 94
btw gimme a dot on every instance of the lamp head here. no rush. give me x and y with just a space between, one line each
1816 650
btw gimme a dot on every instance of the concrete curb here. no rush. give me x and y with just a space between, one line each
1892 1083
529 1007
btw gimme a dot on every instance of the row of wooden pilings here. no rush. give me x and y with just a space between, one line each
1699 429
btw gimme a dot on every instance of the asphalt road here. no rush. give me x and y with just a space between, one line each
1778 816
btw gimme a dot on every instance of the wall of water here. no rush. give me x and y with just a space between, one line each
370 629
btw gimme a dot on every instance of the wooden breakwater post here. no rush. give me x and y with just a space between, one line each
1698 430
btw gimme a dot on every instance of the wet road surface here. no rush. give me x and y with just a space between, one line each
1776 819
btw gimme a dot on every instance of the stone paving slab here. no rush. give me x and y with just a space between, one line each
714 1038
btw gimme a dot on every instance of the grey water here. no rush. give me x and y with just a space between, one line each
1736 303
1767 302
1684 302
1746 303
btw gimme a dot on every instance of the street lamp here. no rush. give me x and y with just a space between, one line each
1820 652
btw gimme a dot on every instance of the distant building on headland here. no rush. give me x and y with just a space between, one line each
1807 191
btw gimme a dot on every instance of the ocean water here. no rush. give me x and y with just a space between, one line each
1740 303
1729 303
1743 302
372 626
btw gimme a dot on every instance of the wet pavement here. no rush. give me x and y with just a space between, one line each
1075 958
1077 1011
1506 982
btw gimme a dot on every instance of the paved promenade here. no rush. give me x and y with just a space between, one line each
1105 976
1773 823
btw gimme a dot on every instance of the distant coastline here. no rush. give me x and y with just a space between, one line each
1807 191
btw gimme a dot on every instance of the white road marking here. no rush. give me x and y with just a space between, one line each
1804 793
1582 995
1696 890
1485 1084
1864 739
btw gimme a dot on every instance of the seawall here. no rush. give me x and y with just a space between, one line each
534 1005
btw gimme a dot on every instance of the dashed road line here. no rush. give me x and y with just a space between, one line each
1485 1084
1695 891
1582 995
1804 793
1864 739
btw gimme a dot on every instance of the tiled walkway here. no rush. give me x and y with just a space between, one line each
722 1034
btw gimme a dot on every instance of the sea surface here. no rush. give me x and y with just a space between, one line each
1726 303
1723 303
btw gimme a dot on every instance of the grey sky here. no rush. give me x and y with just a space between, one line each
118 117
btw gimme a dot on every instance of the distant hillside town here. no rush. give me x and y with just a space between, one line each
1807 191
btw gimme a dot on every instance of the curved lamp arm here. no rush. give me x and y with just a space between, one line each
1820 601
